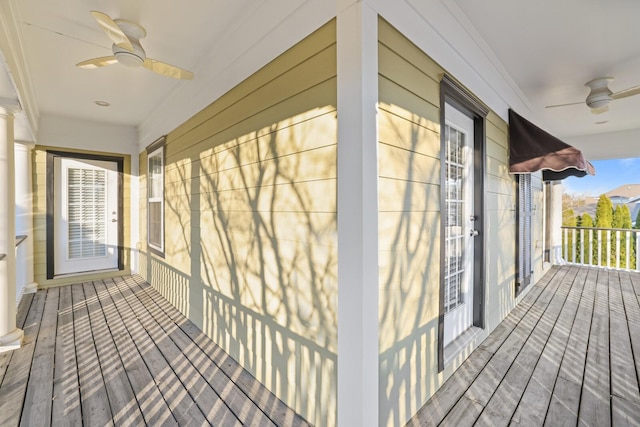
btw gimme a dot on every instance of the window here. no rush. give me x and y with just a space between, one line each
155 198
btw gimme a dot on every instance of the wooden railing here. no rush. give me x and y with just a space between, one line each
602 247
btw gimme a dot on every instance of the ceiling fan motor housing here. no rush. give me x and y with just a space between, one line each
134 33
600 95
130 59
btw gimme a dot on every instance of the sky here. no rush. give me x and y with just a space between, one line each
610 174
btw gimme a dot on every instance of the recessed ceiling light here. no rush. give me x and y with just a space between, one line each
102 103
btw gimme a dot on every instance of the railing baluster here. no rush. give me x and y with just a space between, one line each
599 248
582 246
627 245
614 248
637 250
590 246
608 254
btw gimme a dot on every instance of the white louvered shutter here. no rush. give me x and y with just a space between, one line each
524 230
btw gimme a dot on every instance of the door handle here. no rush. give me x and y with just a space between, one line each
114 220
473 233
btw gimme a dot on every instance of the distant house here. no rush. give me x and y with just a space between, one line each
628 194
624 194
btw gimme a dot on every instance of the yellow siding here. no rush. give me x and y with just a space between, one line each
40 221
251 233
409 226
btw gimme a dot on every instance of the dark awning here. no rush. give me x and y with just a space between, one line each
531 149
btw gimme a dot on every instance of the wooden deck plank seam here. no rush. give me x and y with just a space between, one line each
187 398
565 341
170 330
514 318
558 300
38 398
585 308
538 394
171 312
117 382
550 336
538 304
593 347
630 321
174 404
86 397
12 410
136 362
151 324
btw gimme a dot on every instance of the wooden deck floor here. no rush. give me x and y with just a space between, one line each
567 355
114 352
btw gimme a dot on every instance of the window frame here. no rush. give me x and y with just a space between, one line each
154 151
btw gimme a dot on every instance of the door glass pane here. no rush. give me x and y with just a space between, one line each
86 213
454 225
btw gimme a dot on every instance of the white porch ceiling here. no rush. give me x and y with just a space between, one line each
545 50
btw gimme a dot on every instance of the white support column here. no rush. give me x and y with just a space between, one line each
358 352
24 214
555 223
10 336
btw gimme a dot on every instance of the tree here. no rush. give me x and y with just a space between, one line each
568 218
637 225
616 221
604 212
604 219
586 221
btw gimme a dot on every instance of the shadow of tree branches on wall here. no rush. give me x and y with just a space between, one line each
252 254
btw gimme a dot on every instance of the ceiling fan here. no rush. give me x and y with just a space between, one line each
127 50
601 96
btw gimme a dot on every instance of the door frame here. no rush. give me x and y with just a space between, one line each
50 203
455 95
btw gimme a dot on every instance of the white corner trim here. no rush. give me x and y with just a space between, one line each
358 292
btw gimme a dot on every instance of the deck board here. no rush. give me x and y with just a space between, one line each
567 355
218 381
114 352
94 401
37 402
152 404
66 388
14 383
502 405
123 404
595 402
273 407
533 404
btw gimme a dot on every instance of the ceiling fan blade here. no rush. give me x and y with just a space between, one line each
600 110
564 105
117 36
167 70
627 92
97 62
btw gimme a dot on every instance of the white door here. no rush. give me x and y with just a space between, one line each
459 226
86 215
